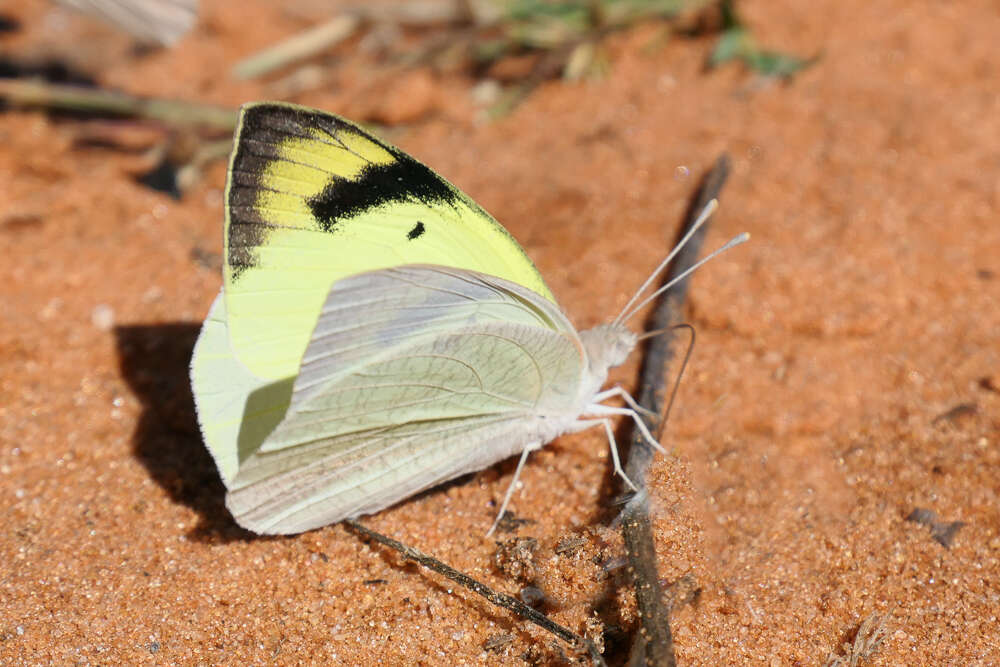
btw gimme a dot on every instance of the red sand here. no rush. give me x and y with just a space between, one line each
805 433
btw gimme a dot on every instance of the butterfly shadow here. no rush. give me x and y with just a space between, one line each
154 361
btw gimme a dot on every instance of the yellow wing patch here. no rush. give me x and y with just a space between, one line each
296 179
311 199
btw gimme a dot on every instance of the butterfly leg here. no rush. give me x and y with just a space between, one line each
627 397
511 486
598 409
587 423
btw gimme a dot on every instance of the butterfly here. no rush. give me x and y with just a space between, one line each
377 332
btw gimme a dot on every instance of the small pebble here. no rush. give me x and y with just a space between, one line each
103 317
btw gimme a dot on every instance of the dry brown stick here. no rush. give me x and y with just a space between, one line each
296 48
323 37
22 93
499 599
421 13
654 639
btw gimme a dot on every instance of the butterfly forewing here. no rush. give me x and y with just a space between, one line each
313 199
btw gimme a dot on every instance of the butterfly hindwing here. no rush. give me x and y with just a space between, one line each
372 312
312 199
365 472
437 372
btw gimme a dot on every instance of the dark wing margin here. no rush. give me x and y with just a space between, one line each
265 127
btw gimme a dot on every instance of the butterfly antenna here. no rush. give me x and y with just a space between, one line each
735 241
677 382
703 217
680 374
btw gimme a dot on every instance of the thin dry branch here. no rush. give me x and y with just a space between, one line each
297 48
867 641
653 645
499 599
40 94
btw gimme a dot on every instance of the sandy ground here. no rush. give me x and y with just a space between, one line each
847 370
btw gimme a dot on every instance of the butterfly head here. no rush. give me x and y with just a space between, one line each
607 345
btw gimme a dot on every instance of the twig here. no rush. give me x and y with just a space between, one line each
499 599
654 642
867 641
299 47
421 13
20 93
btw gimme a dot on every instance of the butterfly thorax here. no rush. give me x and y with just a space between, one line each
607 346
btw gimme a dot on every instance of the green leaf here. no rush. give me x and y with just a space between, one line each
776 64
734 44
